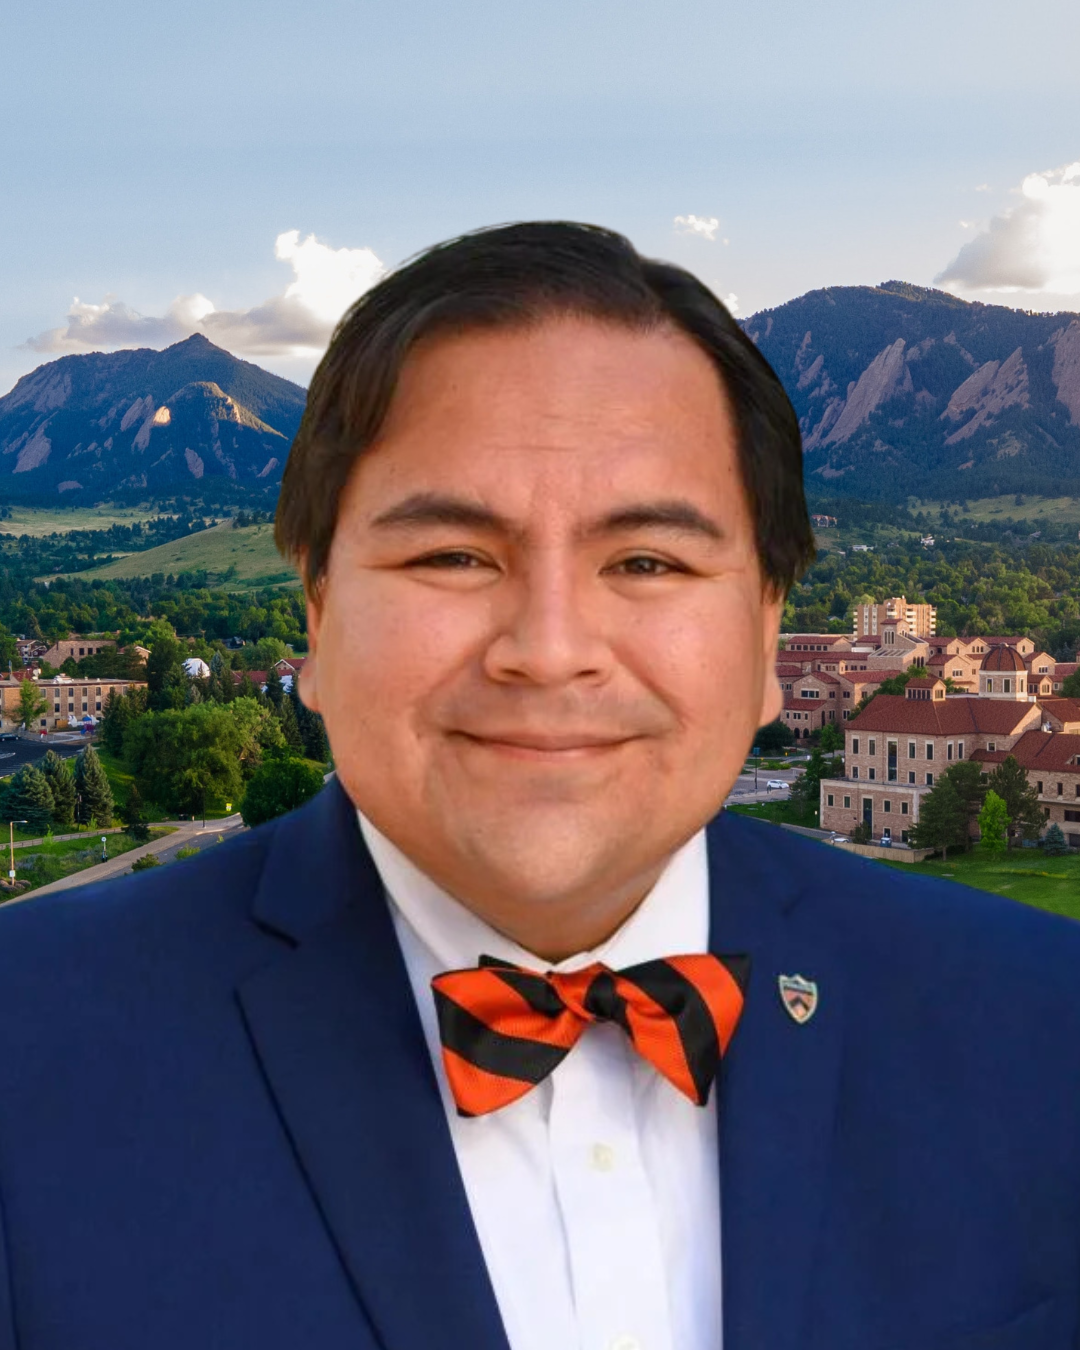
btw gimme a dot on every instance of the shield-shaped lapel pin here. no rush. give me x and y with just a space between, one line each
799 996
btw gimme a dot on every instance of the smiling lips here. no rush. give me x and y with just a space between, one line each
531 745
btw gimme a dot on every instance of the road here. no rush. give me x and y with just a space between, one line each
188 834
30 749
743 791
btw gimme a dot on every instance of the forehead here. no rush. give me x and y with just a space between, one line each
564 407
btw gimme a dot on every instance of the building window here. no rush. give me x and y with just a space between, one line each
847 803
911 749
1006 686
829 799
991 745
872 773
960 750
97 706
949 750
989 685
1061 789
903 808
1039 787
872 750
854 745
847 693
1072 815
929 749
854 771
911 775
903 836
929 780
886 805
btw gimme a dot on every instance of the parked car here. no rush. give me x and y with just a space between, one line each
776 783
9 735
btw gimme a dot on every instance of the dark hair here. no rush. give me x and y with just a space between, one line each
513 275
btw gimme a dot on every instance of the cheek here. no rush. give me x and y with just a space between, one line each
384 647
705 662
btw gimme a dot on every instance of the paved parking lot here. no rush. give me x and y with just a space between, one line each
29 749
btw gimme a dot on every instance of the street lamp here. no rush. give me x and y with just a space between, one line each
104 854
11 846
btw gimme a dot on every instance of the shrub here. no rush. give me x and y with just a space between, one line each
144 863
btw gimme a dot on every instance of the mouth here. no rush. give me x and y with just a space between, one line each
545 747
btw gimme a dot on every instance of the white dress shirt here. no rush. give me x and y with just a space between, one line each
595 1196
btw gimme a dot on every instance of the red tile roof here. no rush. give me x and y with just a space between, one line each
1064 709
804 704
953 716
1049 750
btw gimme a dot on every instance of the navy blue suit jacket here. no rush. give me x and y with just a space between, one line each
220 1127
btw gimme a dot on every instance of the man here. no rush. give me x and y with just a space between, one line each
430 1062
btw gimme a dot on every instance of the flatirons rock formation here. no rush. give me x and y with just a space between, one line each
146 419
903 391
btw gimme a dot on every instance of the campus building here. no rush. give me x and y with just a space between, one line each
68 700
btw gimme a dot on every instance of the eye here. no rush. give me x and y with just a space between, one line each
645 565
448 560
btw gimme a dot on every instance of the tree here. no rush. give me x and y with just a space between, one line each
770 739
279 785
29 798
259 731
943 819
134 815
32 703
114 719
290 728
275 689
165 678
94 795
807 787
222 684
312 730
1070 686
62 786
187 760
831 739
1011 784
1054 841
966 777
994 823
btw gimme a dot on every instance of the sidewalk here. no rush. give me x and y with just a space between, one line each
187 832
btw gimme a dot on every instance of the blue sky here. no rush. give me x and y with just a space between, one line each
154 155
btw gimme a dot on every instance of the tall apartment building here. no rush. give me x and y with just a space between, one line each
894 615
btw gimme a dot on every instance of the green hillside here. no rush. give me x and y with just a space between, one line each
227 555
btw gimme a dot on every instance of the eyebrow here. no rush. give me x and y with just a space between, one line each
674 515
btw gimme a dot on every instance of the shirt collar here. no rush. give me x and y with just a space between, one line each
673 918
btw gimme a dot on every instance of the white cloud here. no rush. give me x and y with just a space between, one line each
296 324
731 303
1033 245
706 226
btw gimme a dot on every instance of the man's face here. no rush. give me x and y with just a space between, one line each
543 642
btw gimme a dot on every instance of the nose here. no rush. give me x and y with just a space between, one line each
548 629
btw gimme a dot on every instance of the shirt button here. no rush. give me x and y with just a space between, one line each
625 1343
602 1159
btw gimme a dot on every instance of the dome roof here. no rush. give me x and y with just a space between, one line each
1003 658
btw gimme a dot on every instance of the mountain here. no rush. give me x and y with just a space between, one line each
905 391
191 415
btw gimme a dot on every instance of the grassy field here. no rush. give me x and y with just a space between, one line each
50 862
38 521
1023 874
1058 510
780 812
249 551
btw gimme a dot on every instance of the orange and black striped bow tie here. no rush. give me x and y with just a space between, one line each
505 1028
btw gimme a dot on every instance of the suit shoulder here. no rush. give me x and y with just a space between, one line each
882 906
85 923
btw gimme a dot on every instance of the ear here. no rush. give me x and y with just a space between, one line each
772 698
309 677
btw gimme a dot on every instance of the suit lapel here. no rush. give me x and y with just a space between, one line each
339 1040
777 1093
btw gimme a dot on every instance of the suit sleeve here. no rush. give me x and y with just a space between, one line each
8 1338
